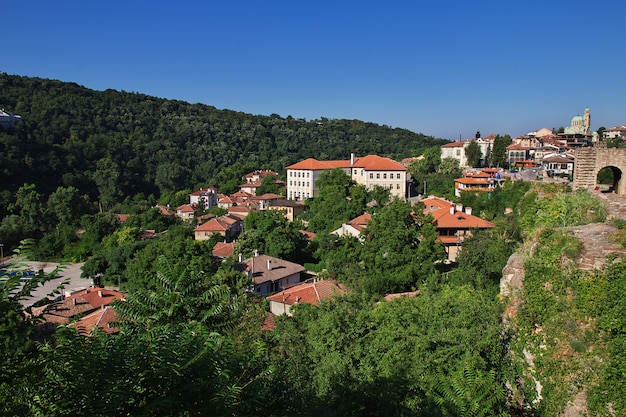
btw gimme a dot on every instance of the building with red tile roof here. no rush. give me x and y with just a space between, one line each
186 211
78 303
354 226
453 223
223 250
205 197
369 171
104 319
226 226
309 293
270 274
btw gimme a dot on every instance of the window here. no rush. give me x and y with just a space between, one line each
371 176
378 175
398 185
398 176
298 174
354 172
458 152
385 176
361 172
307 174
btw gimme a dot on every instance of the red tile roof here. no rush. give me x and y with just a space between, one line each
101 319
315 165
457 144
223 249
473 181
369 163
461 220
309 293
360 223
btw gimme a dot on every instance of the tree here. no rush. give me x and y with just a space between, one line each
498 154
427 165
450 167
268 185
473 154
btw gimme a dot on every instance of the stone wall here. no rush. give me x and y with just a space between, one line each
589 161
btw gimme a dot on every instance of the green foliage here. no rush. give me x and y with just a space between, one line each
339 201
498 154
473 154
470 392
272 234
357 358
558 209
428 165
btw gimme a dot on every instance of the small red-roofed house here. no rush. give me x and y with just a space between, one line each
354 226
104 319
453 223
186 211
308 293
223 250
475 183
226 226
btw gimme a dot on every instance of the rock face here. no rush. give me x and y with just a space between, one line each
598 247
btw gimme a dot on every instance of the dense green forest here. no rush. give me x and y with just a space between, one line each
191 339
90 140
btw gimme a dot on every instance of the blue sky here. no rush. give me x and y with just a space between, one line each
442 68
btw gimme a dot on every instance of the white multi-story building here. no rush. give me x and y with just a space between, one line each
369 171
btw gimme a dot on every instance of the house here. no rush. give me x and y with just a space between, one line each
369 171
223 250
8 119
354 226
308 293
290 208
456 150
615 132
186 211
453 223
77 304
520 155
204 197
104 319
473 184
258 175
558 165
226 226
165 211
269 274
262 201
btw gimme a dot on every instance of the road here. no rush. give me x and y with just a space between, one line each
67 272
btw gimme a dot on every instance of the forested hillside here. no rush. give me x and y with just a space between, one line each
111 144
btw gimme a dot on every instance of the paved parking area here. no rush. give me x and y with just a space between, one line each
68 273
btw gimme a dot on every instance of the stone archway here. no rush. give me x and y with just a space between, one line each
612 176
589 161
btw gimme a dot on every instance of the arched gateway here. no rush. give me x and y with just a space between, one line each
589 161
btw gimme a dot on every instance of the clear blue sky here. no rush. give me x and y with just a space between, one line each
442 68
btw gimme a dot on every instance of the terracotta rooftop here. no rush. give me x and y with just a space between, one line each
369 163
223 249
309 293
360 223
99 319
457 144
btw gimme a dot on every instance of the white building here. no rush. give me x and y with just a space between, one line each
369 171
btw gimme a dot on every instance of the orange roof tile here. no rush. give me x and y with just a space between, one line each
223 249
315 165
378 163
100 319
309 293
461 220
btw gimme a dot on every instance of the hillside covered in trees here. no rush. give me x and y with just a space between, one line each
111 145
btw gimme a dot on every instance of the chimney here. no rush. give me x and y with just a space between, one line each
74 301
100 293
269 264
240 256
459 207
351 159
256 253
468 211
451 209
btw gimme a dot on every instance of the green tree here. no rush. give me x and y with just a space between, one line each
473 154
498 154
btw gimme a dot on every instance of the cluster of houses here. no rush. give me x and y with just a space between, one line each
285 283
